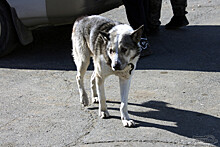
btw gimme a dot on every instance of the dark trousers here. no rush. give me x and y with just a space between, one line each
137 13
179 7
147 12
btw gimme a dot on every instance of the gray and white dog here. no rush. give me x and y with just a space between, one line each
115 49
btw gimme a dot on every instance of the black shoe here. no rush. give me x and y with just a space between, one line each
145 47
177 22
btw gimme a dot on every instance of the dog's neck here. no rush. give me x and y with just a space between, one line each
107 59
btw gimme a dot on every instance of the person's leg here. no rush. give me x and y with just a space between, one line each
154 15
135 10
135 13
179 11
179 7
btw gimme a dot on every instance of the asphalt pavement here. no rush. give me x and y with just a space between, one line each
174 97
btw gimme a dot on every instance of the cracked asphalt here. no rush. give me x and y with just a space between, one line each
174 97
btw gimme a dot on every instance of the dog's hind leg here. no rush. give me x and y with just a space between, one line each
93 89
81 70
82 59
124 90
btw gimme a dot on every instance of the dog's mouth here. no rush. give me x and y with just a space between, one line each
117 67
129 67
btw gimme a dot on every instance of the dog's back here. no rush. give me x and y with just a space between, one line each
86 32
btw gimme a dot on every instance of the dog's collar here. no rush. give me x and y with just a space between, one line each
132 67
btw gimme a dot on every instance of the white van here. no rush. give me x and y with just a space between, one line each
19 17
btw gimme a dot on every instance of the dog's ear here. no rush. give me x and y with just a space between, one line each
136 35
105 36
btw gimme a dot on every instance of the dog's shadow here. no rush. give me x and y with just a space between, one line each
194 48
200 126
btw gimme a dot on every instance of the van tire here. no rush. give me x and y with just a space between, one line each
8 35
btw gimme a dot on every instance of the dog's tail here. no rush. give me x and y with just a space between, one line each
74 27
79 44
76 22
80 18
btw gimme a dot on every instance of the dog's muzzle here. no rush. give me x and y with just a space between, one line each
117 66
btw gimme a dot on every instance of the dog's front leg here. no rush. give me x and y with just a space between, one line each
103 112
93 88
124 89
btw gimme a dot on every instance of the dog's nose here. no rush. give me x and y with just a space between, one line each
117 66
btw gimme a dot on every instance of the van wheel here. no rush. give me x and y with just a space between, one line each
8 36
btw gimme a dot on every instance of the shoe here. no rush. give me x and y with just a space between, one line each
145 47
177 22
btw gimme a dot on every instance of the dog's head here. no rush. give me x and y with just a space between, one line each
122 45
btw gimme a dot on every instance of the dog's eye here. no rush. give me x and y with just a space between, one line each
123 50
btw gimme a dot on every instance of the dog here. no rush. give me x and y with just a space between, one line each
115 49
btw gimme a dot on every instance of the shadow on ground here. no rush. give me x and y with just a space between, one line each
199 126
194 48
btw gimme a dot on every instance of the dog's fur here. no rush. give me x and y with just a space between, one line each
115 49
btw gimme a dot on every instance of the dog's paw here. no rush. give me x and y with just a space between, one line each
104 114
84 101
95 100
128 123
